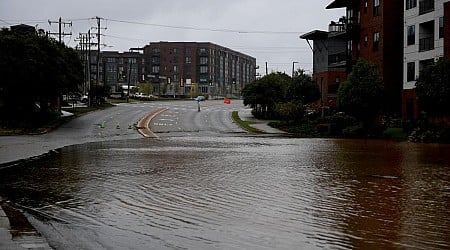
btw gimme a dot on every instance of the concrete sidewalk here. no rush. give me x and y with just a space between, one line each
26 240
246 115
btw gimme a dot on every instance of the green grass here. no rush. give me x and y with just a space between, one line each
395 133
244 124
83 110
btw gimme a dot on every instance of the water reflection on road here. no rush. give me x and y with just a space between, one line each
238 193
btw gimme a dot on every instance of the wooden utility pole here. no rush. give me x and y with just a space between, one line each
60 33
99 28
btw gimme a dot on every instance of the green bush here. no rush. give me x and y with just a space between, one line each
430 135
290 111
395 133
354 131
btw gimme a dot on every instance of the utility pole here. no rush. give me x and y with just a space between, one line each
99 28
60 33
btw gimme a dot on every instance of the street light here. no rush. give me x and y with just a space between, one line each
293 68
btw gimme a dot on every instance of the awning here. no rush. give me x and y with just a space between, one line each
338 4
315 35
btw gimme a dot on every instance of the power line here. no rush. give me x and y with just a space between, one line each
3 21
208 29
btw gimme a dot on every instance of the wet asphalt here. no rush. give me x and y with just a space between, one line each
116 123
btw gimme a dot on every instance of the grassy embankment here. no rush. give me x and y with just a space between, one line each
244 124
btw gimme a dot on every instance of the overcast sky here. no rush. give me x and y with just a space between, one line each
265 29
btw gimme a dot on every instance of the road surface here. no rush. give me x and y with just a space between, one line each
181 117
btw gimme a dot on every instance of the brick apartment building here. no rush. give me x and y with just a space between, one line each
329 61
213 69
427 29
375 33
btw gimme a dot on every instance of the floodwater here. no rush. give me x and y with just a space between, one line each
238 193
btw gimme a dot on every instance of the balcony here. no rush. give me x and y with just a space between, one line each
426 6
336 27
426 44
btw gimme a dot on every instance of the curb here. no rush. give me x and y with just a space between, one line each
143 124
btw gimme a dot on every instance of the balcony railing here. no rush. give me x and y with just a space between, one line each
336 27
426 44
426 6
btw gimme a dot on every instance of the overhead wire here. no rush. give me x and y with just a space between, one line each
206 29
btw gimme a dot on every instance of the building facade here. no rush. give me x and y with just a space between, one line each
426 27
329 61
375 33
112 68
118 69
176 68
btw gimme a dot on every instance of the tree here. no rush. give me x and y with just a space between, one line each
303 88
35 70
263 94
146 89
362 94
433 89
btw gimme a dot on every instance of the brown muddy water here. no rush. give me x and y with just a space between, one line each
238 193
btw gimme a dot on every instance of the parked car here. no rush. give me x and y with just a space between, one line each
200 98
84 99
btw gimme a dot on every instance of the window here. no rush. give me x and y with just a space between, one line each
350 16
203 69
376 7
155 60
376 71
349 48
366 40
411 4
188 60
203 60
366 5
411 71
376 41
175 69
411 36
155 69
155 50
441 27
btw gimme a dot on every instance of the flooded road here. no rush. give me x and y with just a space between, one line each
237 192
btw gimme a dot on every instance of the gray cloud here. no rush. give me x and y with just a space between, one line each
279 50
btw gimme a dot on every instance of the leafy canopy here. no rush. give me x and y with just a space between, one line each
34 69
433 89
362 94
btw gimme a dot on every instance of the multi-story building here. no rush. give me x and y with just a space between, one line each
424 43
114 68
329 60
175 68
375 33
